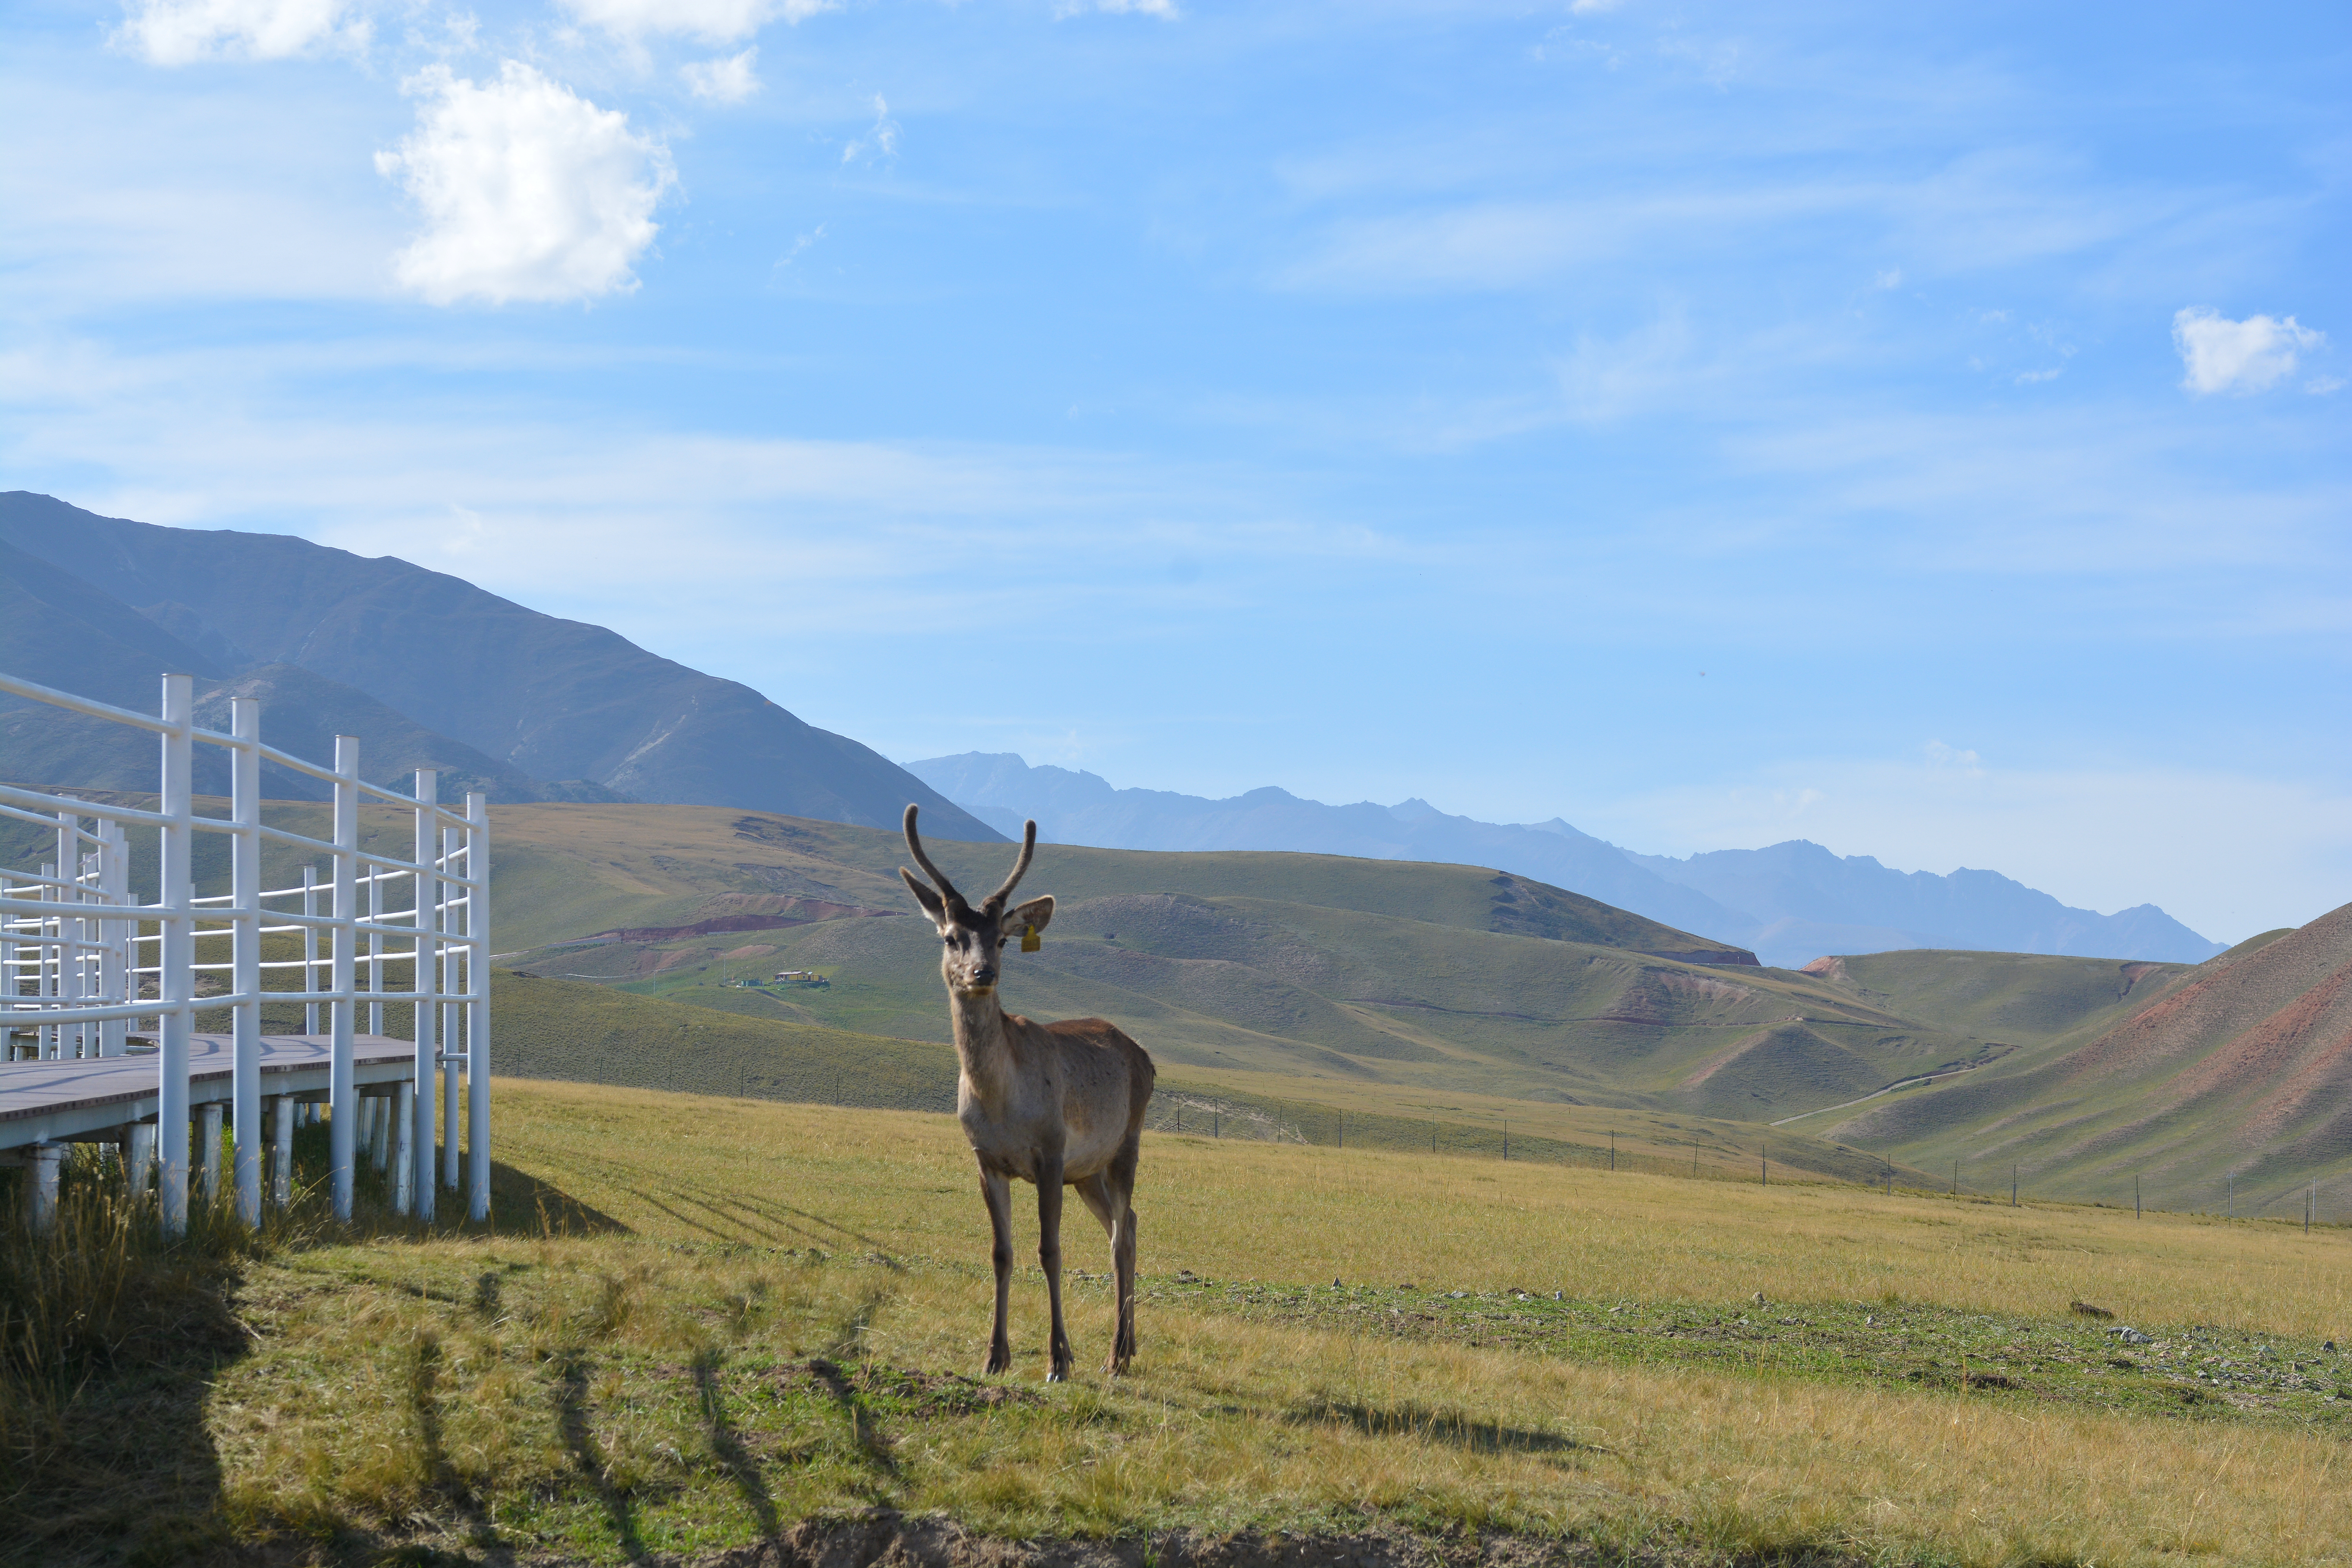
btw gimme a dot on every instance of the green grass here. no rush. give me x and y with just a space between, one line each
583 1033
742 1314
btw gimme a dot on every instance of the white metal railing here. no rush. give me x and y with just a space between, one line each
78 974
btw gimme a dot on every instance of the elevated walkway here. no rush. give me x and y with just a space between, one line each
67 1101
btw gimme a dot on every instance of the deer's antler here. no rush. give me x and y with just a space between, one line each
1020 866
938 878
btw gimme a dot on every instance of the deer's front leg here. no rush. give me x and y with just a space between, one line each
996 1189
1049 1258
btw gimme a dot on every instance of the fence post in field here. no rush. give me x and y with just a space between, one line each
1764 1164
1506 1137
2012 1187
2135 1197
1612 1148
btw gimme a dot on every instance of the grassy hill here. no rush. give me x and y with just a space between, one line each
2229 1086
1329 969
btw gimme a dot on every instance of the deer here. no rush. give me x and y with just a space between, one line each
1053 1104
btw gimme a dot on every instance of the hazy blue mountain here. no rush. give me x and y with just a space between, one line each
543 696
1081 808
1812 898
1788 904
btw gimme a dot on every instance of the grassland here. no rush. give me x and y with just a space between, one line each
763 1312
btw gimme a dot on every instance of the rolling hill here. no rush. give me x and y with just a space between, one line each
2228 1085
530 697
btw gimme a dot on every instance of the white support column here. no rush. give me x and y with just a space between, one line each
310 945
281 1161
41 1185
176 995
245 912
343 1087
425 969
139 1158
114 977
208 1140
453 1115
477 1005
404 1147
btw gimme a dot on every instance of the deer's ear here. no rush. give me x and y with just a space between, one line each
933 905
1034 915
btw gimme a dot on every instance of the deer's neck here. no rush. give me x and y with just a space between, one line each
979 1042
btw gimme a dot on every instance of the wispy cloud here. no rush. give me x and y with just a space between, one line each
879 143
727 80
181 32
712 21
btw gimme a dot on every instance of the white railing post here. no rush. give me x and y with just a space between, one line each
422 983
177 990
68 986
310 943
245 912
477 1005
453 1115
343 1086
45 977
375 949
114 962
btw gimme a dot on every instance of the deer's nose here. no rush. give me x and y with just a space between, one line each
984 974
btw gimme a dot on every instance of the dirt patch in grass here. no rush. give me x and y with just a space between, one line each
896 1540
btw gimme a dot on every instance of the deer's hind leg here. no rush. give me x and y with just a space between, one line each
1110 1195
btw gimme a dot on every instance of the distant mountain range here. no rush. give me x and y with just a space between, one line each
1790 903
427 669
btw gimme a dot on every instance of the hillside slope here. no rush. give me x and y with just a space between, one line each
2232 1084
550 698
1424 979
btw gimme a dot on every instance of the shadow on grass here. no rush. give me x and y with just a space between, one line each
1445 1426
111 1339
571 1421
742 1466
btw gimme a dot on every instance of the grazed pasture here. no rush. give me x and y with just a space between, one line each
756 1312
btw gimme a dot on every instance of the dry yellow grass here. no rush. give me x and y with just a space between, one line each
602 1396
683 1167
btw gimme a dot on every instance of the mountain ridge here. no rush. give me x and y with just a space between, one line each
548 698
1787 903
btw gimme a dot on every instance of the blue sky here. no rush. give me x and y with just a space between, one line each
1921 431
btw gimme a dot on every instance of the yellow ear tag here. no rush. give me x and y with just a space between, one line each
1030 940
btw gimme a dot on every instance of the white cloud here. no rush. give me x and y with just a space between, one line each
882 140
715 21
1163 9
1592 7
528 190
181 32
729 80
2224 355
